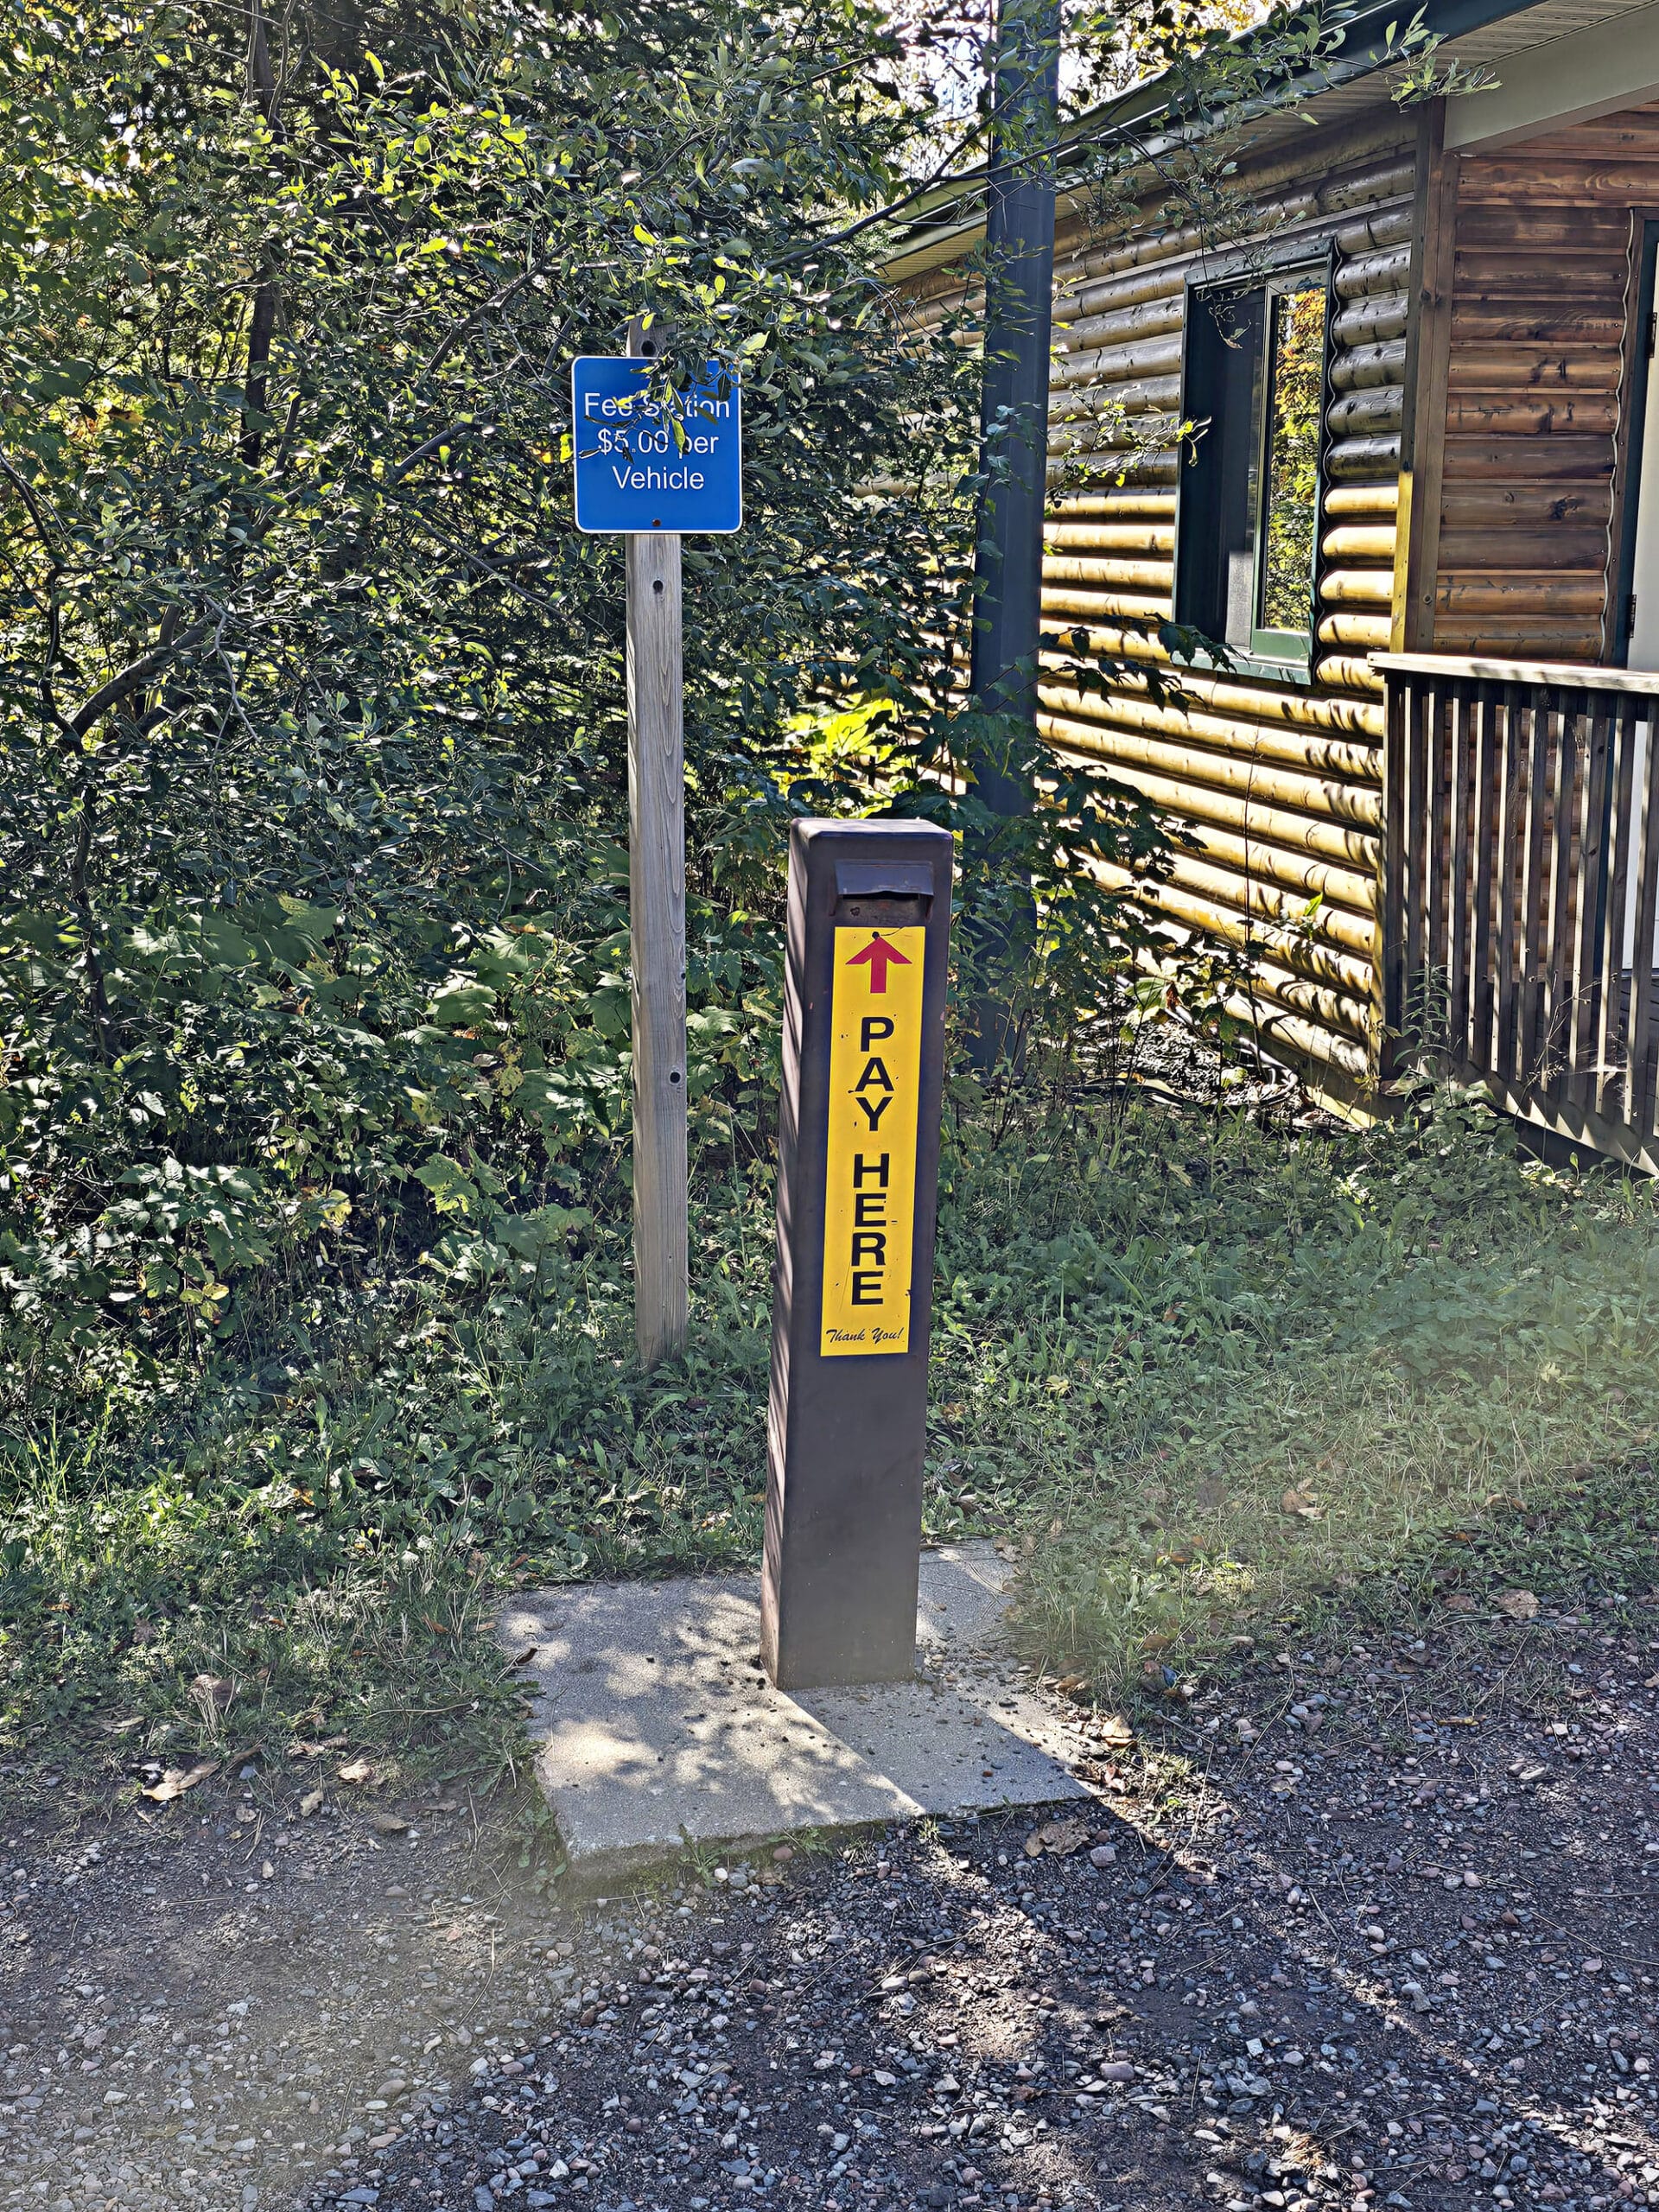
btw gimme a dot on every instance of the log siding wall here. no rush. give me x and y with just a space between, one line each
1519 263
1276 785
1536 374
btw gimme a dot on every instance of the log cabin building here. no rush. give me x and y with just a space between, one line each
1421 527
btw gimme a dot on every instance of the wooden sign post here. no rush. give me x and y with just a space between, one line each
651 479
657 937
657 932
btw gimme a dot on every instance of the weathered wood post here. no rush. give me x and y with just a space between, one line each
657 930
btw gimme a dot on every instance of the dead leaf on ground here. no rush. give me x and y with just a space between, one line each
1115 1729
1062 1838
361 1773
1518 1606
301 1750
1300 1503
177 1780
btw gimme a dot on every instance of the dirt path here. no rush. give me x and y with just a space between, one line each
1392 1949
198 2001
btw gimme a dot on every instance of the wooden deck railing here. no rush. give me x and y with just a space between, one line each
1521 891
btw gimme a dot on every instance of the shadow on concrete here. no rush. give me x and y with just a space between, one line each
656 1725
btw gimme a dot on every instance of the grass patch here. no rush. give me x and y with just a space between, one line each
1209 1375
329 1529
1365 1373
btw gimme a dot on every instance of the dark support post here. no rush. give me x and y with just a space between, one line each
1020 285
858 1146
1014 426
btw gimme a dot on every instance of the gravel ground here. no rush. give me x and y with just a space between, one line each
1367 1927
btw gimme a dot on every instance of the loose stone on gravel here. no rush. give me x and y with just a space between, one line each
1281 1990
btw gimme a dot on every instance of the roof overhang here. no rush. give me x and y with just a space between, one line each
1568 75
950 220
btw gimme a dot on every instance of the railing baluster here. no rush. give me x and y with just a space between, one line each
1396 832
1613 1029
1638 1110
1522 873
1509 860
1533 983
1481 934
1587 894
1437 858
1457 979
1422 707
1551 1062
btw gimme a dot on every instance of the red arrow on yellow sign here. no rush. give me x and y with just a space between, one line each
879 956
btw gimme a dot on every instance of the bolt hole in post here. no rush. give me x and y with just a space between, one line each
650 469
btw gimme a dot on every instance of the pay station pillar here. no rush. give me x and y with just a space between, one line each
869 923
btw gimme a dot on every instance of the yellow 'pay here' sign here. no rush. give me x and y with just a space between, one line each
869 1213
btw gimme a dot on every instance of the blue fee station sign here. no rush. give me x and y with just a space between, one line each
638 468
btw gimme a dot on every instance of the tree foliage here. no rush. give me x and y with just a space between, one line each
312 936
313 925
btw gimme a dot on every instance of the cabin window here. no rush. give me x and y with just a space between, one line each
1249 496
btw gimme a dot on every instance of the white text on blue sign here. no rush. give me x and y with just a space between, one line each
640 466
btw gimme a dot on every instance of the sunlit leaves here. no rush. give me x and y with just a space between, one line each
380 675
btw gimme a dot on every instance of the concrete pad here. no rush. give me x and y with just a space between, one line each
654 1722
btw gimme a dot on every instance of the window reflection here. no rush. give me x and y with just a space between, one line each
1291 458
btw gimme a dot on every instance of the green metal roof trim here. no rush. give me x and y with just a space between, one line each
927 241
